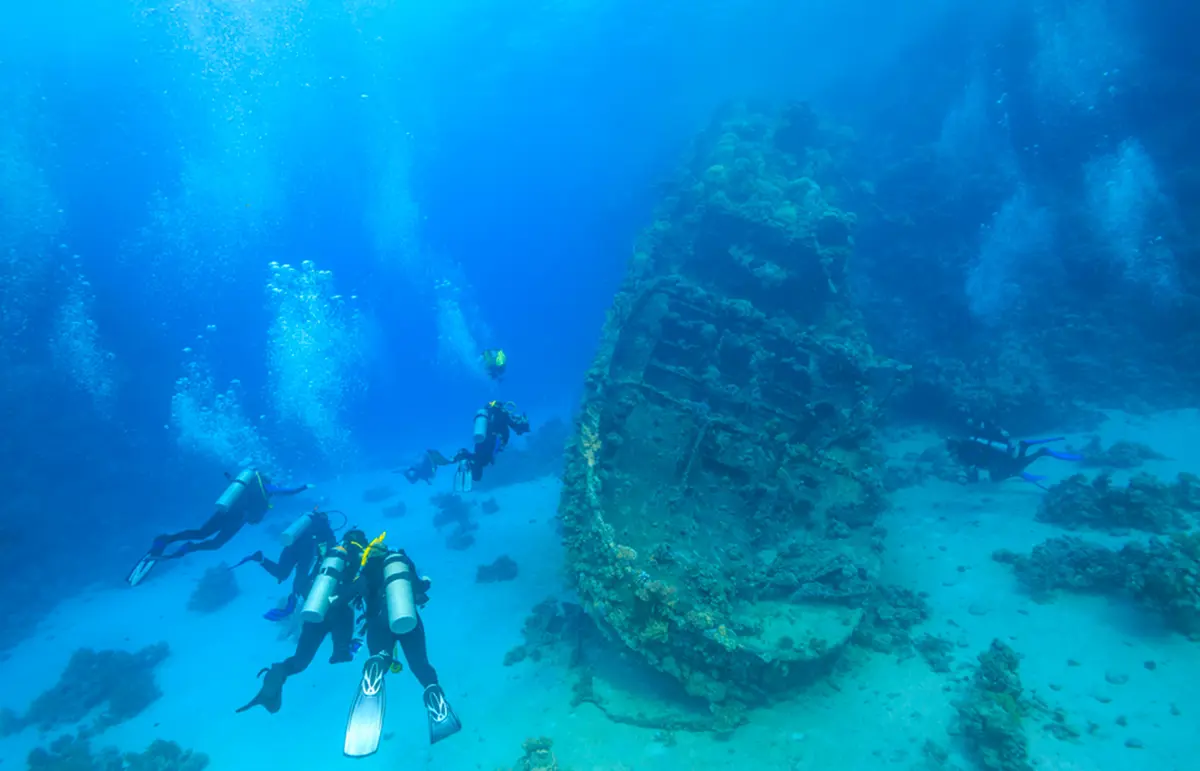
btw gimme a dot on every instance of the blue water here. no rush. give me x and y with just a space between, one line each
282 233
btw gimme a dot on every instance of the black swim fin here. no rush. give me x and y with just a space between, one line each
270 696
443 722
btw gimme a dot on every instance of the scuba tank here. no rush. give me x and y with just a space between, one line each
297 529
325 586
398 590
481 425
234 492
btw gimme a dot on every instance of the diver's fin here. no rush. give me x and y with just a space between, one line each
143 568
442 720
1033 479
255 557
1064 455
365 725
1032 442
462 477
270 696
437 458
279 614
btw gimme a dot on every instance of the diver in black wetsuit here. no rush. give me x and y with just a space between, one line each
308 538
244 502
990 448
494 426
356 573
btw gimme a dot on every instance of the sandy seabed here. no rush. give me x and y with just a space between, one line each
877 713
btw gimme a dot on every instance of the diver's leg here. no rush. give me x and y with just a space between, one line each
223 537
413 645
270 694
341 628
380 639
311 637
283 568
209 528
224 525
1032 442
442 720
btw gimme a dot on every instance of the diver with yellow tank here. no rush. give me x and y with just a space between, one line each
495 423
245 501
358 573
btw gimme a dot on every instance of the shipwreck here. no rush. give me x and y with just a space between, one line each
722 488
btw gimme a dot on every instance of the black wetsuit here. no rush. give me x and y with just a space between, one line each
357 587
501 425
993 450
222 526
381 640
303 556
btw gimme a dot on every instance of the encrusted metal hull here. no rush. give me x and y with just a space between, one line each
720 494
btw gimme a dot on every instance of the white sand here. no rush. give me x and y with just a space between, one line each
879 714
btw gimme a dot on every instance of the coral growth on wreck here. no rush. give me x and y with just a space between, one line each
722 486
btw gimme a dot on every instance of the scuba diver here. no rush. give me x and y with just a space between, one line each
245 501
494 426
425 469
495 362
992 449
305 543
384 583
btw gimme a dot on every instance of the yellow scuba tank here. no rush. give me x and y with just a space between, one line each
398 590
324 587
233 493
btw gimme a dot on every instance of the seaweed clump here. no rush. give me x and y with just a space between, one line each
215 589
538 756
1144 504
552 625
454 511
74 753
891 615
378 494
1162 574
120 681
503 569
990 717
1120 455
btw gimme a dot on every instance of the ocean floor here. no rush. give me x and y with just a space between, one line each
876 713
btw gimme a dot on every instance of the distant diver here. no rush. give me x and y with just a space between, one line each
494 425
367 574
305 543
245 501
991 449
495 363
425 469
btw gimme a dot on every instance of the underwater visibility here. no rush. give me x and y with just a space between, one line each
600 386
